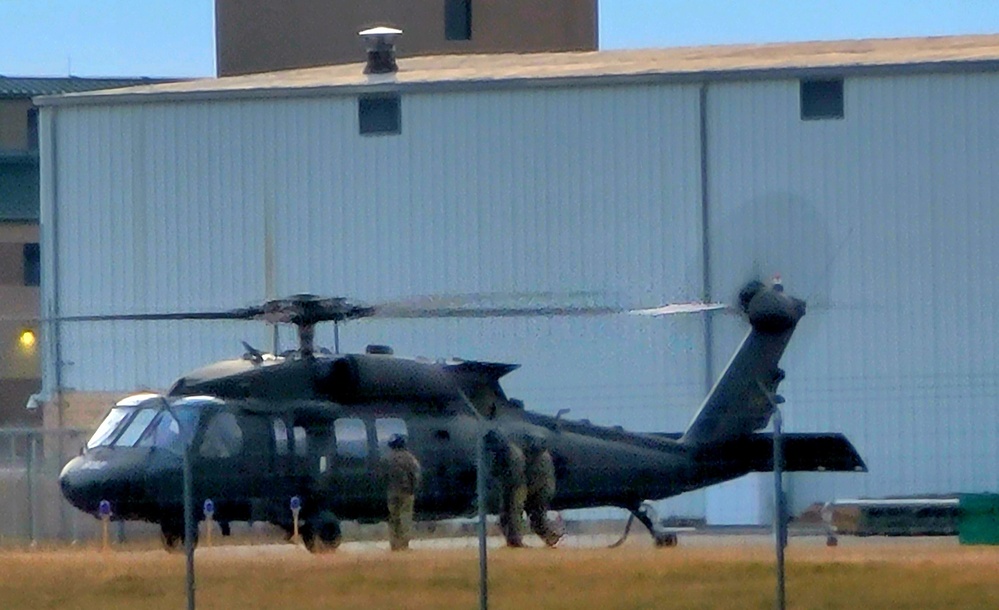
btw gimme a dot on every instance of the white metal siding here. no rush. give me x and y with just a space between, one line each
886 220
217 205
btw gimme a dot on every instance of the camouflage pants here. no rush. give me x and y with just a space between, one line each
400 520
537 511
512 515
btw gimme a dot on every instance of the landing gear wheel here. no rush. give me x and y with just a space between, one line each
322 533
666 539
172 536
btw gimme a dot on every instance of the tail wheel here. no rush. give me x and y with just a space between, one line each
666 540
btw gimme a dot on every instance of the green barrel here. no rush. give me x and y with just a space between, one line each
979 519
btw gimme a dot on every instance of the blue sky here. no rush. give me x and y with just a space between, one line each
176 37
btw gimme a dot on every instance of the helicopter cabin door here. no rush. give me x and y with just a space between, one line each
220 458
348 481
307 461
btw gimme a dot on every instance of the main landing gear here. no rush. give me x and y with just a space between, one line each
172 535
322 532
646 513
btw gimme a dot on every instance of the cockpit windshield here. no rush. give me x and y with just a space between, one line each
140 422
117 418
106 431
135 428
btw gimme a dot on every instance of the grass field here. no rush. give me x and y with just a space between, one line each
859 574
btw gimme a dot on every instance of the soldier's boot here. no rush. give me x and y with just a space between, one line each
552 537
549 533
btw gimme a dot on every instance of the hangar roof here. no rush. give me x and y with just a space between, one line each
680 64
13 87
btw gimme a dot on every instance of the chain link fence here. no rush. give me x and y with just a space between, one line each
32 507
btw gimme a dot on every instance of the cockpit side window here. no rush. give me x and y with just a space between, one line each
106 431
223 437
164 431
134 429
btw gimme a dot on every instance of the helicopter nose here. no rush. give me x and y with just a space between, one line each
80 484
87 480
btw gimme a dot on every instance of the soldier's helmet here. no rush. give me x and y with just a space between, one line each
397 441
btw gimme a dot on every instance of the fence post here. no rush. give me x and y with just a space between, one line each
30 475
60 456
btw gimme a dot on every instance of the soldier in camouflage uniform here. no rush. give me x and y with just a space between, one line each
508 468
540 475
403 472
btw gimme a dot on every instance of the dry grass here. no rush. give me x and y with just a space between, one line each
881 575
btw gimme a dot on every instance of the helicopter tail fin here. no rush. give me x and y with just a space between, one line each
742 400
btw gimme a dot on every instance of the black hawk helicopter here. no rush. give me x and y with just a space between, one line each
312 424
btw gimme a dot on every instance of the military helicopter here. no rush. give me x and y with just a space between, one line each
312 424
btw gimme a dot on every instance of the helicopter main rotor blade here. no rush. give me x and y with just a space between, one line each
236 314
494 312
678 308
308 310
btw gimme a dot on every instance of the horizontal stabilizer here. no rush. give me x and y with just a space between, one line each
806 453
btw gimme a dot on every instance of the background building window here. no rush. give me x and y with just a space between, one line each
458 19
379 115
822 99
32 265
32 129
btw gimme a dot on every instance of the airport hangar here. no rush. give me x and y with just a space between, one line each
863 171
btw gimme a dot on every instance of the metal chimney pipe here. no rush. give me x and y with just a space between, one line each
380 44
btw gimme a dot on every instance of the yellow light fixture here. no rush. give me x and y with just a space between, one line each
27 338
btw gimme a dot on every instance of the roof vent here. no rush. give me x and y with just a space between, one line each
380 43
383 350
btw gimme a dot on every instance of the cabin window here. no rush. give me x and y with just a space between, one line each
140 421
386 428
351 438
301 441
280 437
223 437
